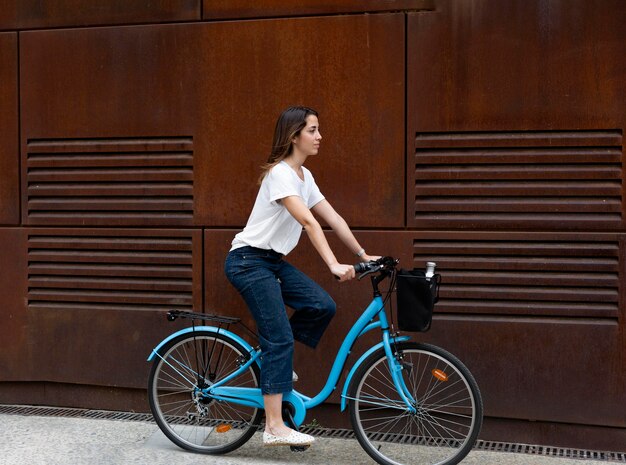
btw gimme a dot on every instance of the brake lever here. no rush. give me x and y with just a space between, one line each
368 272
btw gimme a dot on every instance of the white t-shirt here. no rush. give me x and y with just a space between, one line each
270 225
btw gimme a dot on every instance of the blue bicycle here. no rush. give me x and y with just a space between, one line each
409 403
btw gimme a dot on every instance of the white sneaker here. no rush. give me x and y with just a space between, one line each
292 439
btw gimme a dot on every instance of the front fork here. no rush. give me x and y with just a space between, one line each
396 365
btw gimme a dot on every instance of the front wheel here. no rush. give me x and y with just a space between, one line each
448 405
182 370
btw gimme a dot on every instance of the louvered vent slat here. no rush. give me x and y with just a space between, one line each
543 179
109 189
105 204
139 298
108 283
111 270
540 277
81 160
92 256
522 139
112 243
142 181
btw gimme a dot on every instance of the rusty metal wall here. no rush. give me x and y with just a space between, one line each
35 14
238 9
514 159
9 154
489 141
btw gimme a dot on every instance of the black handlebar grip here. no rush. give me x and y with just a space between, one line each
361 267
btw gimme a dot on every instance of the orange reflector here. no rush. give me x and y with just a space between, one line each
439 374
222 428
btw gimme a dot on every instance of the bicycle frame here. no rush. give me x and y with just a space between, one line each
253 397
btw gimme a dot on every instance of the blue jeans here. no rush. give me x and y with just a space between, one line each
268 283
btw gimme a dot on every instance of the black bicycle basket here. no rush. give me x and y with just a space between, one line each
416 297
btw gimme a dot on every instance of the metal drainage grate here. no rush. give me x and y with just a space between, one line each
550 451
27 410
491 446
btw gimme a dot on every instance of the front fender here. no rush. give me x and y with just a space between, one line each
344 392
200 330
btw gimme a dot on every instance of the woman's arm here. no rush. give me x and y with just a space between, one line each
325 210
303 215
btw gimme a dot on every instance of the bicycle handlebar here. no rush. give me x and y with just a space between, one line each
382 264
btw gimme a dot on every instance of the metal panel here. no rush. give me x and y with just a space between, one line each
224 9
516 65
540 369
28 14
514 122
9 154
520 179
103 268
107 83
349 68
107 133
16 362
138 181
560 275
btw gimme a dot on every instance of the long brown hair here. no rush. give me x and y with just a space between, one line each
289 124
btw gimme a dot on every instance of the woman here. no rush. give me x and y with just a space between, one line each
285 204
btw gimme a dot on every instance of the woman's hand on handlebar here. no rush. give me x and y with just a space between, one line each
380 263
347 272
343 272
369 258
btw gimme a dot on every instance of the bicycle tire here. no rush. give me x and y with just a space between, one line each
448 402
189 419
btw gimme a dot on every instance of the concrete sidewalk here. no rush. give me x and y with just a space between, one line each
40 440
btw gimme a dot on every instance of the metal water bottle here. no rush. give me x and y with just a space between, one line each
430 270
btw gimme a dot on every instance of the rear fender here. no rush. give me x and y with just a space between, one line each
200 330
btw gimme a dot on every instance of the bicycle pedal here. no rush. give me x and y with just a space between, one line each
299 448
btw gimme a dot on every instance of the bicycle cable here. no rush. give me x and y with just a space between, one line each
389 300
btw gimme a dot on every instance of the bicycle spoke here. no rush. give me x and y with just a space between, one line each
178 398
443 425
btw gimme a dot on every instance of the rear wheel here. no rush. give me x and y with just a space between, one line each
184 367
448 405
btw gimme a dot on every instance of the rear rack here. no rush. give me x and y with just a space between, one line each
172 315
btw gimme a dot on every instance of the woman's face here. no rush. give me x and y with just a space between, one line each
308 141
